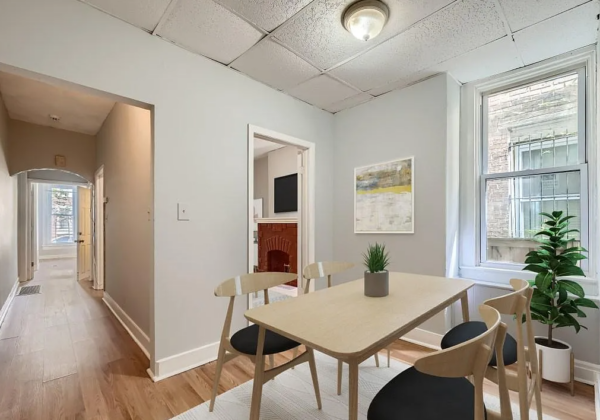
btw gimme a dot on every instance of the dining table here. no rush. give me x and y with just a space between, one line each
345 324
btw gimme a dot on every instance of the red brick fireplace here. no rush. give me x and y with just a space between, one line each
278 248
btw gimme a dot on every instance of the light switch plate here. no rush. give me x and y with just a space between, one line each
183 214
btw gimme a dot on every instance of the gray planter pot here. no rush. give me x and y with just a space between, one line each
377 284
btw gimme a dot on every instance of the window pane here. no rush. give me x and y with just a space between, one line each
513 206
62 214
533 126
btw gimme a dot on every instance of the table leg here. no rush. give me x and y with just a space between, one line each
353 390
259 369
464 303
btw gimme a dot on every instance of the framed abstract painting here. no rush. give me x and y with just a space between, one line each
384 197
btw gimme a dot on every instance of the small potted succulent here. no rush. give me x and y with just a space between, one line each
556 301
376 259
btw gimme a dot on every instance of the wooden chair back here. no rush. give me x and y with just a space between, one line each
323 269
469 358
514 303
250 283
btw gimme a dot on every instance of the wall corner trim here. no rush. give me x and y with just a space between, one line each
179 363
9 299
139 336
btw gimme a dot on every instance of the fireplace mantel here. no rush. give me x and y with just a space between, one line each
278 246
277 220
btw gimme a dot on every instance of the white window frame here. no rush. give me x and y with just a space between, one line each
472 173
45 215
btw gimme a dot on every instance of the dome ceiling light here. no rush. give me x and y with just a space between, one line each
366 19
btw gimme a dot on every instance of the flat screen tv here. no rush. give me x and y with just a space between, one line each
286 193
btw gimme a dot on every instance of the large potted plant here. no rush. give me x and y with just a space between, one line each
556 301
376 260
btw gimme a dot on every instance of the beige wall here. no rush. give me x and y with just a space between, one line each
34 147
261 182
124 148
8 215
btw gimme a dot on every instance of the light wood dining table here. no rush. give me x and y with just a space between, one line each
345 324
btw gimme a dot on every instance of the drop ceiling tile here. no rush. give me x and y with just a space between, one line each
209 29
493 58
560 34
350 102
319 35
268 14
274 65
322 91
141 13
523 13
404 82
462 27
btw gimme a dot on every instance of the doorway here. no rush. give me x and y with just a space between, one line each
280 208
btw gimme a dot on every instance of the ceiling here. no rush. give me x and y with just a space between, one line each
301 47
264 147
33 101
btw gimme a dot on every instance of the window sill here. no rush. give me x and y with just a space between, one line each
500 278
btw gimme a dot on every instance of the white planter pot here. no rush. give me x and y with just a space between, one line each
556 363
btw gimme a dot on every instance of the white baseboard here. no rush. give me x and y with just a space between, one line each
139 336
423 338
174 365
8 301
586 372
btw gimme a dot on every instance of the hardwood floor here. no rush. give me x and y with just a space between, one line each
64 356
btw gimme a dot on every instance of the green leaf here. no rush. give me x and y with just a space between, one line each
547 215
586 303
574 249
563 295
544 232
564 219
557 214
534 259
541 308
573 257
535 268
565 232
549 249
543 281
568 270
571 287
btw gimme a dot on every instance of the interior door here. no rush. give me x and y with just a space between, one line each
84 233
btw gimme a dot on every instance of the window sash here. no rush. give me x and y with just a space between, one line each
582 167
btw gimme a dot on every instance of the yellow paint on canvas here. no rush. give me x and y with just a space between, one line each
396 190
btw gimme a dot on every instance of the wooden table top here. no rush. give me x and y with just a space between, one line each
342 322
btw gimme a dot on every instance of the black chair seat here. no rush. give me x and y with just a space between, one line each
468 330
246 341
413 395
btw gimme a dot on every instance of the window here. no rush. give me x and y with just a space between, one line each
58 218
534 160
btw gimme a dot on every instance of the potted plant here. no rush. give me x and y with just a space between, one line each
556 301
376 260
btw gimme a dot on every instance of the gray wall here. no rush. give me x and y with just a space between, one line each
125 149
409 122
8 215
261 182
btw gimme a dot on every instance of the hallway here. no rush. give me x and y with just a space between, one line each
62 354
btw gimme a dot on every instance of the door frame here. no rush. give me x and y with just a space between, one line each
98 235
306 208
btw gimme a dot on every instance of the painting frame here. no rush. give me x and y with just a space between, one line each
411 230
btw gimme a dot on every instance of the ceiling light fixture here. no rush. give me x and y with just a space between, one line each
54 117
366 19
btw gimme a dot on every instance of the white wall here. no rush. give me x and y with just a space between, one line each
197 103
8 215
417 121
124 147
281 162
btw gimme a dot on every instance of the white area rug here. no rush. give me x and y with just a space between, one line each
291 395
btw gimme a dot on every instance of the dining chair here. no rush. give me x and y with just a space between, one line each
437 386
527 379
245 341
322 269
